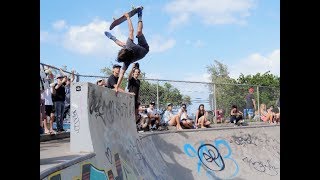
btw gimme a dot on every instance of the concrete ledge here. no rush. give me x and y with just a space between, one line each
49 137
59 167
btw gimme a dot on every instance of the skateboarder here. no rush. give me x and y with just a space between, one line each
130 51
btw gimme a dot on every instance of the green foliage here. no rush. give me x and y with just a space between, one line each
148 91
228 94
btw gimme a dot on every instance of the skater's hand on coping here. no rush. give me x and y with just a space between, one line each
126 15
116 88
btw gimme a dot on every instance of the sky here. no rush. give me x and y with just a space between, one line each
185 36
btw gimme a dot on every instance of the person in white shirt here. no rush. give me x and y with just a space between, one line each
186 122
170 119
49 110
153 115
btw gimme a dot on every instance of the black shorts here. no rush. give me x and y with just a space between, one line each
49 109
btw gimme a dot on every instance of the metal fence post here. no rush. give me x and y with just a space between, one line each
258 99
157 94
215 103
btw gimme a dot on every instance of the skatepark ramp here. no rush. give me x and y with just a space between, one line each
102 124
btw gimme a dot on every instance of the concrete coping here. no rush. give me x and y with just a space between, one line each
64 165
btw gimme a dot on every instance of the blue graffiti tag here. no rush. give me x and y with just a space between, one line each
210 157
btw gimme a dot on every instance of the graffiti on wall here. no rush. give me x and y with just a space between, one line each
215 158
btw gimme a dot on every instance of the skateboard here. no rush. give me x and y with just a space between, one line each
121 19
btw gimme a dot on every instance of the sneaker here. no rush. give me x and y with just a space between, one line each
140 13
154 127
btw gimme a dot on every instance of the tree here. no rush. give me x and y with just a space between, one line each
148 91
226 94
269 84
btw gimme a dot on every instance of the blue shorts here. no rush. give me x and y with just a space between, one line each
250 112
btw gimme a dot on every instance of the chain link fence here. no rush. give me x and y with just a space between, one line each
213 96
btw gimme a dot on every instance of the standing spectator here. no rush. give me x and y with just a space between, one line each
113 79
44 84
134 84
59 97
250 104
47 95
42 111
67 90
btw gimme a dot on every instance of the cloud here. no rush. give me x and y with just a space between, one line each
257 63
90 39
158 44
196 44
59 25
44 36
209 12
47 37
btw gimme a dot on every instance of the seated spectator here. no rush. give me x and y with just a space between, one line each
265 115
153 116
201 117
219 115
142 119
235 115
275 114
170 119
184 120
256 116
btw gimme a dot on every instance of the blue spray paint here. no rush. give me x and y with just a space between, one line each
211 155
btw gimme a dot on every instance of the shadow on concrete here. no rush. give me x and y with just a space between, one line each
174 169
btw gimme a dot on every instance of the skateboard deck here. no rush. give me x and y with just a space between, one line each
121 19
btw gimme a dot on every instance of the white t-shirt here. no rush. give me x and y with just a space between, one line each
44 84
167 116
47 97
152 112
183 115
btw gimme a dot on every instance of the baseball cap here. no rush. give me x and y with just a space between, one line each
59 76
152 102
116 65
169 104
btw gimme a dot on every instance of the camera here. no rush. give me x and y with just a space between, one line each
136 65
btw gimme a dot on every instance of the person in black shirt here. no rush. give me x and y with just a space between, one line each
113 79
134 82
59 96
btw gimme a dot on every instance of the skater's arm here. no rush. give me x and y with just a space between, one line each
72 76
119 80
131 72
131 30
